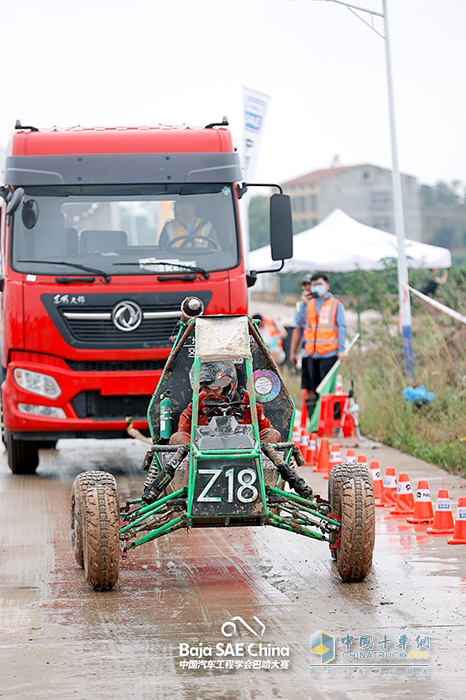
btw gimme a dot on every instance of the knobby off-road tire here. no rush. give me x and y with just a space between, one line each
23 455
338 475
80 485
100 521
351 494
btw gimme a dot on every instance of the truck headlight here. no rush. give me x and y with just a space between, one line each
47 411
37 383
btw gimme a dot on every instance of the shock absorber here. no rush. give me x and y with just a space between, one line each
153 489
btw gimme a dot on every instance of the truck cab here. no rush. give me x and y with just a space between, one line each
104 232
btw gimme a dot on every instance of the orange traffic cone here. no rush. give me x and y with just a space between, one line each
323 459
376 478
304 442
335 458
389 489
459 535
362 459
404 499
443 519
423 511
350 456
311 454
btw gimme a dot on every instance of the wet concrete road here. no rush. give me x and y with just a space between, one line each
60 639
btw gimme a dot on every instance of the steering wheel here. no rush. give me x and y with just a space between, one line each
186 237
222 406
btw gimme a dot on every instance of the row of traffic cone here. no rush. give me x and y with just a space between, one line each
399 497
390 492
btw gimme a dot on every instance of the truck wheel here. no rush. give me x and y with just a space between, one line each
46 444
23 455
351 494
101 531
80 485
2 424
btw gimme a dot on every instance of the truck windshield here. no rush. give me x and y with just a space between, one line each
125 229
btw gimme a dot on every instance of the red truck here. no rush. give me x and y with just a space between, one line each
104 232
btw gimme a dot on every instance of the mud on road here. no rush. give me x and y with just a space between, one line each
61 639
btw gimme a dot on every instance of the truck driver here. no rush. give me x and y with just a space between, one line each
188 226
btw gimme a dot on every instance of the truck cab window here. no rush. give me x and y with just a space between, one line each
119 228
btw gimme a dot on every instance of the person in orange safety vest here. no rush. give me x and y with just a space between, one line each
320 326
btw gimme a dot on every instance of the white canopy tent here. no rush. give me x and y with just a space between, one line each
341 244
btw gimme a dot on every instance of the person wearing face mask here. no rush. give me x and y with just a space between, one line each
320 326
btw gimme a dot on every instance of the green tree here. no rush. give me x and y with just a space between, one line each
443 208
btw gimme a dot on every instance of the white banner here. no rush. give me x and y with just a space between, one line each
255 109
438 305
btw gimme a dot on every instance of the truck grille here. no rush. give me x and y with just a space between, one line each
115 365
90 404
97 325
118 321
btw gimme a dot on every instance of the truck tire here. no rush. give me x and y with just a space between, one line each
80 485
101 531
23 455
2 424
351 494
46 444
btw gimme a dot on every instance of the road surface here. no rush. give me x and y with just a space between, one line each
60 639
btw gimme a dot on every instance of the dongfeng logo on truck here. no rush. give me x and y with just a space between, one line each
127 316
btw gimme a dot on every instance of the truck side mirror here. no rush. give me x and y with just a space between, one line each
281 227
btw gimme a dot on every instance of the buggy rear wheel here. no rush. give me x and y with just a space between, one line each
351 495
101 531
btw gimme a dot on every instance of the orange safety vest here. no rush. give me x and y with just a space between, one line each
273 332
321 335
174 229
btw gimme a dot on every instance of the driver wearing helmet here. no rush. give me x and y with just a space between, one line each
218 380
187 225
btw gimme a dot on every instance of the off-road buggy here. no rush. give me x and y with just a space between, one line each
224 477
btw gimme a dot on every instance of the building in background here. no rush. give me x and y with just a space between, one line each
364 192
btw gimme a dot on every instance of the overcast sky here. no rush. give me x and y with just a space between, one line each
108 62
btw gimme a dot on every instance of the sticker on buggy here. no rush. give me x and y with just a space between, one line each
266 385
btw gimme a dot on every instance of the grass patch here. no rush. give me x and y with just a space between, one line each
431 432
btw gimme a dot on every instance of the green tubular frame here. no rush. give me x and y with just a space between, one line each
186 519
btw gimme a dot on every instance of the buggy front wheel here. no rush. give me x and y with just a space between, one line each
101 533
351 494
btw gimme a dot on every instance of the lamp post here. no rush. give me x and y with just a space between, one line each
403 292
